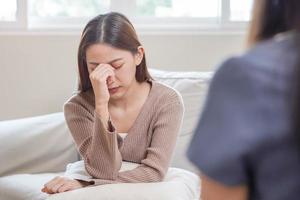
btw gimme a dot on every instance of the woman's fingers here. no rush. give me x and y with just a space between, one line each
49 185
55 187
61 184
70 185
64 188
44 189
102 68
102 76
101 73
100 82
52 186
111 79
105 77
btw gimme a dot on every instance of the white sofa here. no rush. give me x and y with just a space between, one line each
34 150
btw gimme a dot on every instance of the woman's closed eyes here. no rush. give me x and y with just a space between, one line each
117 66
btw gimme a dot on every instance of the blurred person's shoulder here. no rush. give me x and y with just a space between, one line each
276 55
267 61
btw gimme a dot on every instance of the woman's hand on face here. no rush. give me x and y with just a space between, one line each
102 76
62 184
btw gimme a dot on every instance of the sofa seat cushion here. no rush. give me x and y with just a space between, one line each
179 184
24 186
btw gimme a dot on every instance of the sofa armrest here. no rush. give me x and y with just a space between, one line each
36 145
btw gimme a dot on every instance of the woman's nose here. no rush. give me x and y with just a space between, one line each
110 80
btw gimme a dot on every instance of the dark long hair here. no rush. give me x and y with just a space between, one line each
115 30
271 17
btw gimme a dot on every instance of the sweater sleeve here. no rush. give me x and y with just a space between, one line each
158 155
98 147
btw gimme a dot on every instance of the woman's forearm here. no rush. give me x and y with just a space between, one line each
103 113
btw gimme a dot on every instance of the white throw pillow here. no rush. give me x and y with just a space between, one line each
36 145
178 184
193 88
25 186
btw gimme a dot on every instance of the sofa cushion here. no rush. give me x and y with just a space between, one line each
178 184
24 186
36 145
193 87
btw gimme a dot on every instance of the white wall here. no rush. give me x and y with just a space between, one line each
38 70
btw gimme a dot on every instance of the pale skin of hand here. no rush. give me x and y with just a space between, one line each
101 77
63 184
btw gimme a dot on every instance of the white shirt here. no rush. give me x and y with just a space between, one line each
123 135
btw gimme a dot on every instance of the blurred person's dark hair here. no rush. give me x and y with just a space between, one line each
271 17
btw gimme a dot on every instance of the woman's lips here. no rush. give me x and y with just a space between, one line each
113 90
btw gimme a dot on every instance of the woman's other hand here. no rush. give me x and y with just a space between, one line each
62 184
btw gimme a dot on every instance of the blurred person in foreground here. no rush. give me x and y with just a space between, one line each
247 144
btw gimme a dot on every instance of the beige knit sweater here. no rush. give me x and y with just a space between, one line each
150 141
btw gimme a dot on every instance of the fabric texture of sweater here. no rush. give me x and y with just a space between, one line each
150 141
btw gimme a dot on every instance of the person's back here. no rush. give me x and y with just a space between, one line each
244 135
274 157
247 142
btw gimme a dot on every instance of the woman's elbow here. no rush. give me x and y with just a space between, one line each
102 171
157 175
